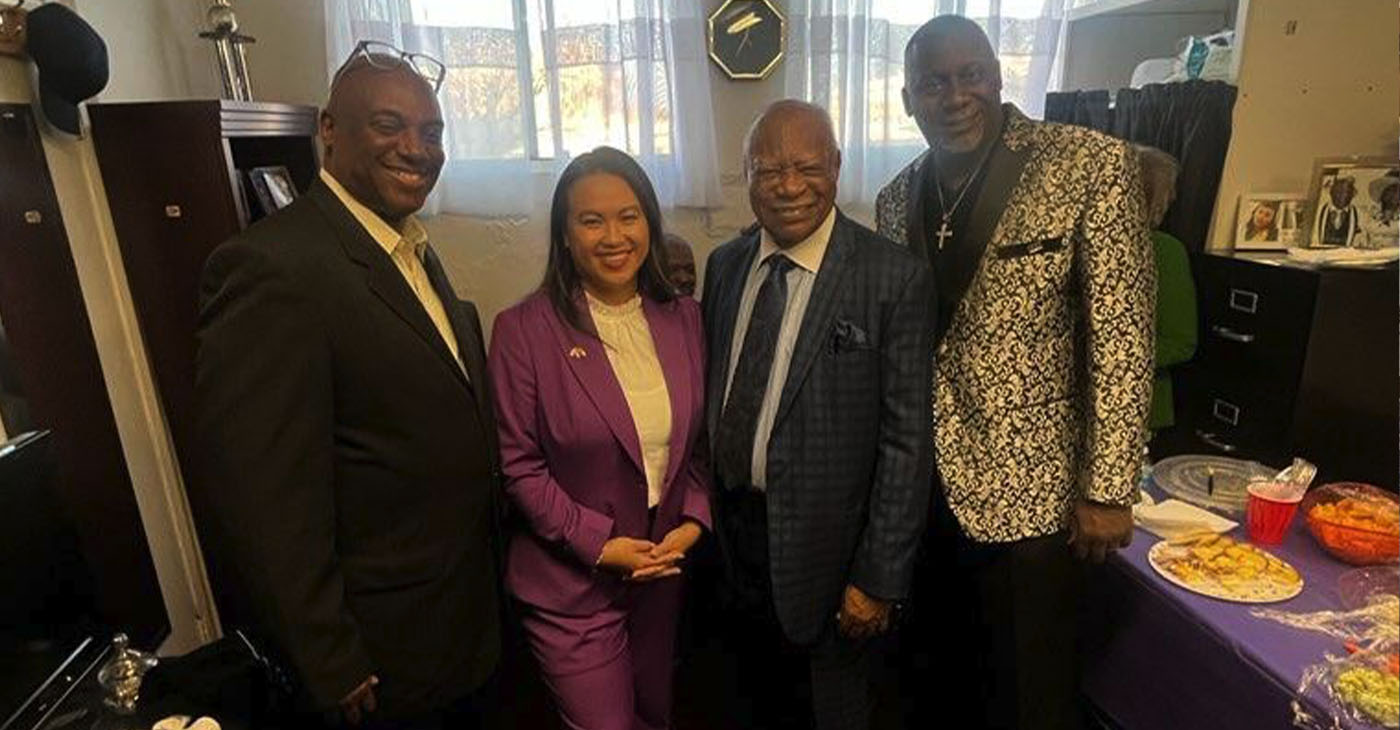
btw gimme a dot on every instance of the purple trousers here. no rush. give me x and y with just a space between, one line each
611 670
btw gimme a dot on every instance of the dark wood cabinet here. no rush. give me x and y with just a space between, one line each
1295 361
176 180
58 372
176 176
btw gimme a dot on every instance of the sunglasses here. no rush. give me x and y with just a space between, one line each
386 57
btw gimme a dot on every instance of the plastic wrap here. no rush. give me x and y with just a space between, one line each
1359 685
1205 57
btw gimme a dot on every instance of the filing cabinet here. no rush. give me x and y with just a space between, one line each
1295 361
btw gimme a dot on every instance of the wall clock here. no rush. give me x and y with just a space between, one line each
746 38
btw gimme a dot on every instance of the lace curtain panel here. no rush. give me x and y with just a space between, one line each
531 83
848 56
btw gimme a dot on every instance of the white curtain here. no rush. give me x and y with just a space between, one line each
531 83
848 56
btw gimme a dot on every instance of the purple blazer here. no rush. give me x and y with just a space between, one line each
570 451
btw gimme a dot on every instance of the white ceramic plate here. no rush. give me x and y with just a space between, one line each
1279 582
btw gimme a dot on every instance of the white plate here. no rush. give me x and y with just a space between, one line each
1259 590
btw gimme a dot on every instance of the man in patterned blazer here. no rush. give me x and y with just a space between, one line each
820 368
1043 371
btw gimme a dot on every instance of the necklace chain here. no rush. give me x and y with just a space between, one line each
966 186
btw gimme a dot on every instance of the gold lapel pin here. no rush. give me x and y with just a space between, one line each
578 353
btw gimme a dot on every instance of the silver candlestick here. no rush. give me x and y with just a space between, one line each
228 46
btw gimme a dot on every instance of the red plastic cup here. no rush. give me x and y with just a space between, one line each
1268 516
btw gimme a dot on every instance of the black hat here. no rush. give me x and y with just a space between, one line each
72 61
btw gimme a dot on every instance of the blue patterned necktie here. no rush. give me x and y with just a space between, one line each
739 421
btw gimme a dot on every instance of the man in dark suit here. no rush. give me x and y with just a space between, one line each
819 413
350 465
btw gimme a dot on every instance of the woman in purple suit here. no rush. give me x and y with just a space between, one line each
599 387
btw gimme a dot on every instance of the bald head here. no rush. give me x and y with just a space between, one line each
950 29
382 134
792 163
952 85
786 113
349 85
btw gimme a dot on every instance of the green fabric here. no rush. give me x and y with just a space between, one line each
1176 323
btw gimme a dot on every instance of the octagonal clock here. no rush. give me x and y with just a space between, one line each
746 38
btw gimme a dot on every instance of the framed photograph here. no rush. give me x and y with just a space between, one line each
1268 221
273 188
1354 202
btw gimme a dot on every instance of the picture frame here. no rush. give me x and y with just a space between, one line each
273 187
1354 202
1269 221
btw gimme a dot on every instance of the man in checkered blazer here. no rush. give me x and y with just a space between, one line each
820 367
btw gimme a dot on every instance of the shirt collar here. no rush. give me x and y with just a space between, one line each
807 253
413 235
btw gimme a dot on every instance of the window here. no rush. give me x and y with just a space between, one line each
848 56
534 82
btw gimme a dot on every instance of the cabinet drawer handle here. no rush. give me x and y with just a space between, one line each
1226 411
1244 300
1233 336
1213 441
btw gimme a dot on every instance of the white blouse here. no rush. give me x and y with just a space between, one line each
632 353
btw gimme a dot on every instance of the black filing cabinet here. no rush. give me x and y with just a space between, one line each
1295 361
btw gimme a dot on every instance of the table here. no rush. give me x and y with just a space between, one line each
1159 656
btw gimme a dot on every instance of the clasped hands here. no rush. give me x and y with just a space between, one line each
643 560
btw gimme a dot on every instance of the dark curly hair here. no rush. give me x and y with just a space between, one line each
562 282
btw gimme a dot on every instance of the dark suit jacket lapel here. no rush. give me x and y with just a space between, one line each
919 192
382 276
466 327
1003 176
821 310
673 352
728 299
589 363
468 345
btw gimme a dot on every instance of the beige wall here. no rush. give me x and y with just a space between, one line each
288 62
1331 87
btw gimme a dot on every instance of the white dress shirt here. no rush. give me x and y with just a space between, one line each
807 254
624 330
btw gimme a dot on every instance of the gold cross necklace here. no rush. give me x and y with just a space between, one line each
944 232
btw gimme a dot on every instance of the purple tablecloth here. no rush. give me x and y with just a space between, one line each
1159 656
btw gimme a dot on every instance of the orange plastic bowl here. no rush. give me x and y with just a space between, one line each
1355 522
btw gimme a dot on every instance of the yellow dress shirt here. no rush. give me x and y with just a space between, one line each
406 249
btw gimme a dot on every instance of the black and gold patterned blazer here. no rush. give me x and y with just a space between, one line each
1043 380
